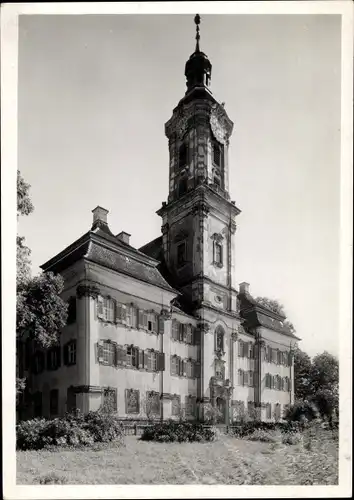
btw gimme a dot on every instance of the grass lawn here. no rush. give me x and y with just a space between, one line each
225 461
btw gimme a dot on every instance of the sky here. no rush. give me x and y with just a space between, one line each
94 93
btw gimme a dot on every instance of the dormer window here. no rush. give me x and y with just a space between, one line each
183 155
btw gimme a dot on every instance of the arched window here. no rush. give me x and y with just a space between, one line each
219 339
217 149
183 155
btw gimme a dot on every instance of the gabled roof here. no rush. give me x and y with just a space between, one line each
255 314
100 246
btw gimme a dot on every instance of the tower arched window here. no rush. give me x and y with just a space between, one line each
217 154
183 155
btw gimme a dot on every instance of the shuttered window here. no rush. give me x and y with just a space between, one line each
240 377
189 334
108 353
54 402
175 329
69 352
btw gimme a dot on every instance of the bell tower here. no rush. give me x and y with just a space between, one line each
198 219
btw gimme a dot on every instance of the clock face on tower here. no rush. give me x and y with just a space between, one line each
217 125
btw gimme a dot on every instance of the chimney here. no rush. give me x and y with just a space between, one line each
244 287
123 236
99 216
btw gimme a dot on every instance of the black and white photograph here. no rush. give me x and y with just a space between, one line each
177 254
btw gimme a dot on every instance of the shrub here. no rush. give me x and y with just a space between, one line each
171 431
301 411
30 434
264 436
291 438
74 430
52 478
103 426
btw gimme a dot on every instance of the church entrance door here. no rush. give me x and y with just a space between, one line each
221 406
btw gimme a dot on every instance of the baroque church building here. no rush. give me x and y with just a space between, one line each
164 330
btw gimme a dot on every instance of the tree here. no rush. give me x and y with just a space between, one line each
302 374
272 305
40 311
316 381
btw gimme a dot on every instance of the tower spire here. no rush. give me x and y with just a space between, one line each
197 37
198 67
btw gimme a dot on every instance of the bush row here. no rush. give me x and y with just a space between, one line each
70 430
171 431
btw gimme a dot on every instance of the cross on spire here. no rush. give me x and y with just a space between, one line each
197 37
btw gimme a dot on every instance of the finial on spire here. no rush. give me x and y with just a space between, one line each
197 37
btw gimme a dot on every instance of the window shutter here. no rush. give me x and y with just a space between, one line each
119 315
245 350
100 358
141 358
180 331
145 320
140 318
145 358
184 368
100 307
58 350
240 348
161 361
161 325
174 329
66 354
49 361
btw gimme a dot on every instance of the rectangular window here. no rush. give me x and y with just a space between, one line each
38 362
72 352
175 329
53 358
189 334
240 377
181 254
54 402
37 404
152 403
110 399
240 348
132 401
274 356
71 311
108 353
251 379
108 309
154 361
189 368
176 406
245 378
268 410
152 323
174 365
